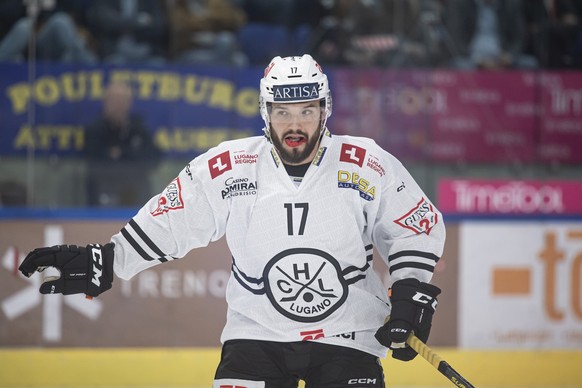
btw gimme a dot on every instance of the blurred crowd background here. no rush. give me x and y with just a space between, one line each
386 33
364 35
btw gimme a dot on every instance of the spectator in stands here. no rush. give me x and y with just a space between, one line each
120 151
205 32
54 28
487 34
268 11
10 12
554 32
130 31
12 193
290 13
284 27
329 37
387 33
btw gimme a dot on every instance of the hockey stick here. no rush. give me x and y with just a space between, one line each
438 362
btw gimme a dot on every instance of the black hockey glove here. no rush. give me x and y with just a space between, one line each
84 270
413 305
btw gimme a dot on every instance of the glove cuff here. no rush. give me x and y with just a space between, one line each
100 276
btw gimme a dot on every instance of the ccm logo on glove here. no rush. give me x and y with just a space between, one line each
426 299
97 266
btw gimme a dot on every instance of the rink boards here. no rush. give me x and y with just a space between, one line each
149 332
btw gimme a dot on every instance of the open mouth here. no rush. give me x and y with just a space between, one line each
294 140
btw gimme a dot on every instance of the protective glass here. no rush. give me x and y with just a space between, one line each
284 116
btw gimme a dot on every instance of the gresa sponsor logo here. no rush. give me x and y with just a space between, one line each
352 180
237 187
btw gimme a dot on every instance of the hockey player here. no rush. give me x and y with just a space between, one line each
302 210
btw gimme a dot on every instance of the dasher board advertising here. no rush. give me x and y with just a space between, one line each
520 285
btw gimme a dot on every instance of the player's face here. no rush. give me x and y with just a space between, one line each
295 130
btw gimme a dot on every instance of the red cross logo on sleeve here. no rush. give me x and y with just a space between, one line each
352 154
219 164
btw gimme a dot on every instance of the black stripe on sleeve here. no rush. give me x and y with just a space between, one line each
147 240
136 246
426 255
412 264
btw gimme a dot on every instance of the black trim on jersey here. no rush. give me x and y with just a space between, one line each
426 255
412 263
137 247
243 279
353 268
146 239
297 171
242 283
355 279
363 269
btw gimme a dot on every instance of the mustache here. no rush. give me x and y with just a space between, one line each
294 132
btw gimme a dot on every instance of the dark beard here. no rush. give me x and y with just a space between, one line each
294 156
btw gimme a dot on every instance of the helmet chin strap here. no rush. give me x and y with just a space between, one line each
322 126
267 133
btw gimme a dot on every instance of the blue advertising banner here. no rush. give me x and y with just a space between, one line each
441 116
187 110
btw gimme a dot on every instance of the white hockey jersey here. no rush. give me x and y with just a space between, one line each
301 255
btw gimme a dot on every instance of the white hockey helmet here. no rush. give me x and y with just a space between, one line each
293 79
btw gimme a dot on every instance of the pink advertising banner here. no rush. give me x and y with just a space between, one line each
488 117
392 107
561 119
474 117
512 197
